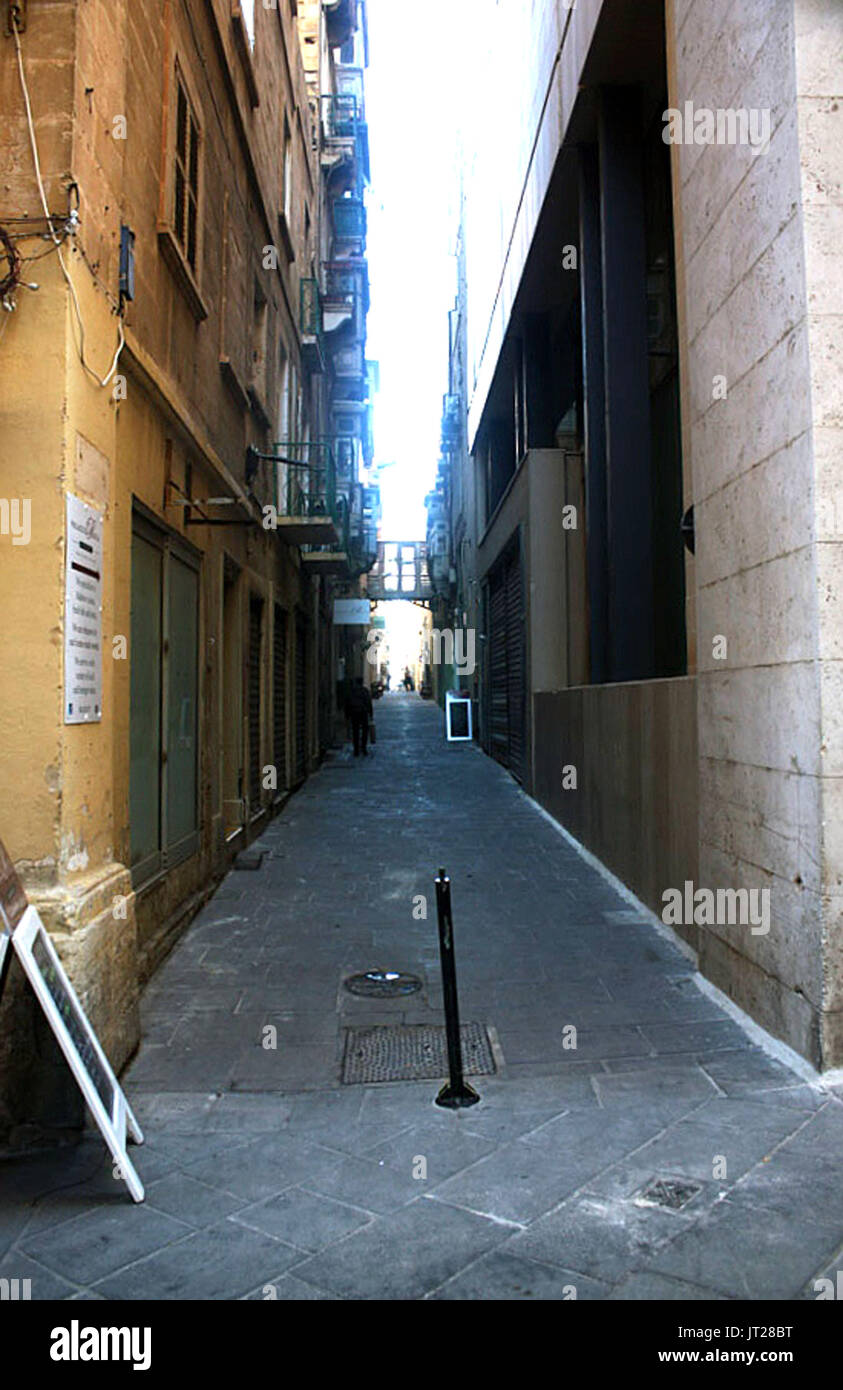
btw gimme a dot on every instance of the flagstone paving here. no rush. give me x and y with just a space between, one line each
267 1178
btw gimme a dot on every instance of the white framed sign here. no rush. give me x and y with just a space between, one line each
21 929
13 905
458 717
83 614
80 1044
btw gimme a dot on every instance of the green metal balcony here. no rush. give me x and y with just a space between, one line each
350 221
345 302
340 117
306 501
311 324
345 144
332 559
363 529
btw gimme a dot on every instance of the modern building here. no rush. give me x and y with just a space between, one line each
652 411
453 522
185 427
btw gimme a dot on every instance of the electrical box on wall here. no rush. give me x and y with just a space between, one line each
127 263
15 16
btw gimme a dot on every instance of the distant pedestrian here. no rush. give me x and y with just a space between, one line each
359 710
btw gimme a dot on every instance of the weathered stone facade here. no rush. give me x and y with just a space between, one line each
192 126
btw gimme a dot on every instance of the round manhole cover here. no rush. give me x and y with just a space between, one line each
383 984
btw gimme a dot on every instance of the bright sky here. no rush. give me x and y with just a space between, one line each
410 98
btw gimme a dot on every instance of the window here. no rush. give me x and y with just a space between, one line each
186 180
164 771
247 10
260 328
180 190
287 173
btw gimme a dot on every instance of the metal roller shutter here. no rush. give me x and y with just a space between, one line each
279 697
498 691
507 668
301 700
515 665
254 696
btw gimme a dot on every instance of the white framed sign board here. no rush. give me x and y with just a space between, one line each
83 614
458 717
13 905
26 935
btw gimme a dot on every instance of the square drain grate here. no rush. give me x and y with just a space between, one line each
671 1193
411 1053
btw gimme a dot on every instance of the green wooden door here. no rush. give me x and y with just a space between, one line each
145 719
164 719
182 699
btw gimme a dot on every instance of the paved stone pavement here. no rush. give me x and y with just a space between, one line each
267 1177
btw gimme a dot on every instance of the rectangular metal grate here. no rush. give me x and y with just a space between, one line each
411 1053
672 1193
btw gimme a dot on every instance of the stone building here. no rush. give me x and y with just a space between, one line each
168 407
653 411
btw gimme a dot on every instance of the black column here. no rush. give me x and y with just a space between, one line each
594 398
538 392
627 389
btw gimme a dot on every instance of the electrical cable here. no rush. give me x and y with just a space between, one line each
10 281
101 381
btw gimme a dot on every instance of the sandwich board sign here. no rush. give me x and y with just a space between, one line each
458 717
22 930
13 905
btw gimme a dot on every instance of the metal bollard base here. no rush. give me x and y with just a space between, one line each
457 1097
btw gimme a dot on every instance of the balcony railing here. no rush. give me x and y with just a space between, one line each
347 282
363 529
347 449
311 323
350 221
340 117
306 491
345 301
311 309
331 557
345 137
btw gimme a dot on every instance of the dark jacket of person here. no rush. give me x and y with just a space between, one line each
359 703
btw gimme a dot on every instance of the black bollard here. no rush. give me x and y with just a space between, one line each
457 1093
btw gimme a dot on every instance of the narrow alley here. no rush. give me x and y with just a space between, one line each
662 1156
421 555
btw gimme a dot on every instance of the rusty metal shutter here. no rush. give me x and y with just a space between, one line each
301 700
279 697
254 702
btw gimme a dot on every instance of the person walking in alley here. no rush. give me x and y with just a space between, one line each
360 711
